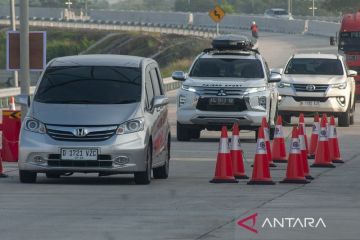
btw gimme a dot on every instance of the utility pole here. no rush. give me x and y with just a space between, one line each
24 53
313 8
13 28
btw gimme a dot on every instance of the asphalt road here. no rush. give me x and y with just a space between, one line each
187 206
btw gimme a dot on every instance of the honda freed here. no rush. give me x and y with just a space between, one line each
103 114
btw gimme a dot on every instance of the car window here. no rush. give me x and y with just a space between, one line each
149 88
155 82
90 85
311 66
227 68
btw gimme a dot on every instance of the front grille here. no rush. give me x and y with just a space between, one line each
303 99
228 91
238 106
57 157
318 87
95 134
78 163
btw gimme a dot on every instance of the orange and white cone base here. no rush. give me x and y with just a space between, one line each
302 122
261 171
278 146
12 106
236 154
335 156
2 174
314 137
224 170
322 157
295 169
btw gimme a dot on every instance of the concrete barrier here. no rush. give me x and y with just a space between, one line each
320 28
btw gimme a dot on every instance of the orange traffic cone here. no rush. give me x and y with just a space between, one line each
12 106
304 157
265 126
322 156
278 147
302 122
295 170
334 143
236 154
261 171
224 170
314 137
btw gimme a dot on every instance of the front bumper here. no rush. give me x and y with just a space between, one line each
39 153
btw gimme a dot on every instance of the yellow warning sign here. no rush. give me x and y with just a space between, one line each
12 114
217 14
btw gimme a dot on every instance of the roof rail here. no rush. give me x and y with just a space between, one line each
210 50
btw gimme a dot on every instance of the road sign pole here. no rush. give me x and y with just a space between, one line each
217 29
13 28
24 53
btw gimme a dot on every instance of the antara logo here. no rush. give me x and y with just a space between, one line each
284 222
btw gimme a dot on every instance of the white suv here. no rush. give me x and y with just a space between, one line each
317 83
229 83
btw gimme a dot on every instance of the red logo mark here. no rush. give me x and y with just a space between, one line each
251 228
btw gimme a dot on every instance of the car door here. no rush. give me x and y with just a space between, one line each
160 135
151 114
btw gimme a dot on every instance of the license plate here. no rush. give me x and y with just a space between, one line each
79 154
221 101
310 103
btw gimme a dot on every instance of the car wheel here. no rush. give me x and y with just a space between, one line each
344 119
286 119
143 178
27 177
163 171
195 134
52 175
352 117
182 133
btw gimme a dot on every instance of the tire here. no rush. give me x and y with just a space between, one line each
272 132
195 134
183 133
286 119
344 119
144 178
27 177
163 171
352 116
52 175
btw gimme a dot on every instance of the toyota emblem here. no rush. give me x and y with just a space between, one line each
310 88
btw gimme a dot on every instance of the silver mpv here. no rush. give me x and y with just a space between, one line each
103 114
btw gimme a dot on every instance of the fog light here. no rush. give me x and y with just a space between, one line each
121 160
182 100
39 159
341 100
262 102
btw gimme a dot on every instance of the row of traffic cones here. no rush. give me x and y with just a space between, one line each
230 165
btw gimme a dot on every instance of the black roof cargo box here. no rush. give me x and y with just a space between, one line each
232 42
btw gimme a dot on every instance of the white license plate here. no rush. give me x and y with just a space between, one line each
310 103
79 154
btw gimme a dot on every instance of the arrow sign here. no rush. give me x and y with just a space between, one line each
15 115
217 14
242 223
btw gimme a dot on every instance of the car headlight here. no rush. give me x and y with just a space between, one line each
284 84
131 126
339 85
188 88
255 89
34 125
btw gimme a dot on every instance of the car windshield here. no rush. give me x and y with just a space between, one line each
349 41
227 68
90 85
311 66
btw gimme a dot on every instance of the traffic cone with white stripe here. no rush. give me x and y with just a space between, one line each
236 154
314 137
261 171
335 156
302 122
278 147
12 106
265 126
304 155
295 169
322 156
224 171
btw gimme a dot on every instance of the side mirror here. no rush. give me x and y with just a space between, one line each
274 78
332 41
179 76
160 101
277 70
23 100
352 73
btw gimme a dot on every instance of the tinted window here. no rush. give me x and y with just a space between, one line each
315 66
349 41
149 88
227 68
155 82
90 85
